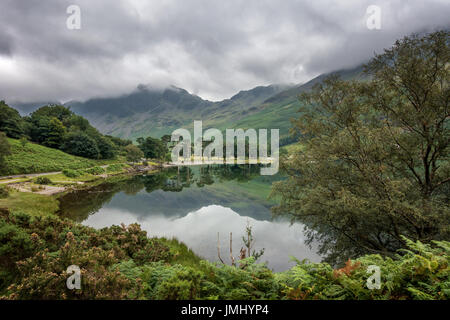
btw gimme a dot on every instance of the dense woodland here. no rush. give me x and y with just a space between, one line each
55 126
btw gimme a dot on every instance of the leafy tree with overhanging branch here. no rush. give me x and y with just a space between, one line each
375 164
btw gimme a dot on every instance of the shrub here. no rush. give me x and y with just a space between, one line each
4 192
72 173
422 272
95 170
43 180
115 168
121 262
23 141
37 251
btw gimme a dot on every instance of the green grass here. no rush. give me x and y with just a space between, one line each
115 168
34 158
33 204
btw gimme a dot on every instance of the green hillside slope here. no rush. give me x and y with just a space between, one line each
34 158
155 112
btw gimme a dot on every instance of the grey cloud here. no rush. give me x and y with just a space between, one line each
5 44
210 47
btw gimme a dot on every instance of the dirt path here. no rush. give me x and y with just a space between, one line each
23 182
27 175
46 190
19 177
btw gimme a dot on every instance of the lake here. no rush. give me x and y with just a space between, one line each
194 204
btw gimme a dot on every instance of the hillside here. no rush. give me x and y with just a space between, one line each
149 111
155 112
277 111
34 158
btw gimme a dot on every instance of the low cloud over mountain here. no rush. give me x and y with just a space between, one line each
211 48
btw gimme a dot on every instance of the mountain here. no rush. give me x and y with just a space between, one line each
149 111
276 111
155 112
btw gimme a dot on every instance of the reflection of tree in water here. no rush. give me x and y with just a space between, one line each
206 177
241 173
183 177
79 205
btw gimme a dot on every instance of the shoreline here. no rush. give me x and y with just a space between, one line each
24 183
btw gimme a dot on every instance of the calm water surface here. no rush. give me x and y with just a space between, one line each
193 205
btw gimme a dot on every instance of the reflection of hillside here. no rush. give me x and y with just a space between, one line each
80 204
189 199
174 193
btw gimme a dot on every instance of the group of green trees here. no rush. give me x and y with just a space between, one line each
149 148
56 126
375 164
153 148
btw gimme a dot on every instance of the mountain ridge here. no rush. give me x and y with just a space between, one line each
152 111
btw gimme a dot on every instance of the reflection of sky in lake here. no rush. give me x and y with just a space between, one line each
198 230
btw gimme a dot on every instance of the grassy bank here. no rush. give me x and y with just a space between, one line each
33 204
38 196
34 158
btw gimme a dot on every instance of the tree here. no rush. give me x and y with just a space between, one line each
134 154
119 142
106 148
11 122
166 138
80 144
40 128
4 150
376 159
77 123
53 111
55 134
152 148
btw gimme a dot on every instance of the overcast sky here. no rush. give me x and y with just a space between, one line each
212 48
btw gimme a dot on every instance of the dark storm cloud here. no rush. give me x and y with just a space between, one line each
210 47
5 44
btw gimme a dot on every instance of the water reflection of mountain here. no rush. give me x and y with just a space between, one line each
199 230
176 192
